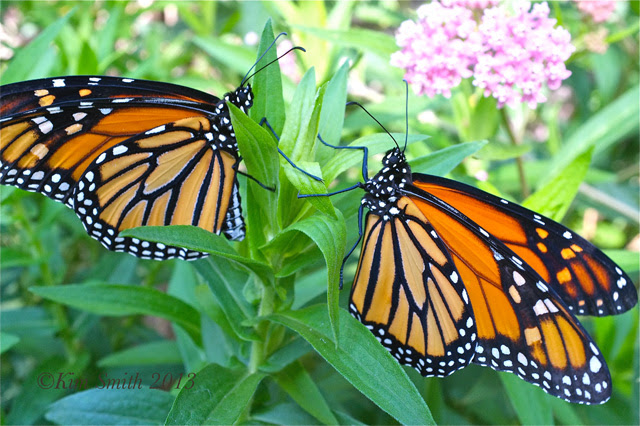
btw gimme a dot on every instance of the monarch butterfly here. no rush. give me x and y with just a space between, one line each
125 153
449 275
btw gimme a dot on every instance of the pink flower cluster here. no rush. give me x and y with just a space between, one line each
599 10
471 4
511 55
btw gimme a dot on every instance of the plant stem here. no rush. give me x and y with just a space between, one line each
257 347
58 311
514 140
616 37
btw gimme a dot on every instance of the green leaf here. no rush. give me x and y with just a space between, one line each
154 353
7 341
305 185
267 85
28 64
333 106
237 58
375 42
112 407
484 121
89 63
362 360
47 382
294 140
218 396
286 355
260 154
197 239
555 197
284 413
109 33
627 260
297 382
120 300
12 257
530 403
501 151
330 235
443 161
226 285
375 143
609 125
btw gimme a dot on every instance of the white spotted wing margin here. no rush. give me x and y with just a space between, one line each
170 175
588 282
524 327
408 293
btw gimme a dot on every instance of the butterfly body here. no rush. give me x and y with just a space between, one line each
449 275
124 153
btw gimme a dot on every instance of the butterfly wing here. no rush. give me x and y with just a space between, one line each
588 281
98 145
53 129
408 293
523 326
170 175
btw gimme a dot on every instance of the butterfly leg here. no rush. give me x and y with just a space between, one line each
360 233
265 121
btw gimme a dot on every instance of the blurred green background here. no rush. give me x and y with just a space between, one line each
210 46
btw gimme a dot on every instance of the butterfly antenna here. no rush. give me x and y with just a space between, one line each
276 60
406 115
376 120
260 58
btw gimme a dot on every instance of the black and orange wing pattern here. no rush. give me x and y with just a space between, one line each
58 132
423 255
523 325
408 293
588 282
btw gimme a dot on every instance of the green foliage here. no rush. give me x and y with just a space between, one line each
261 325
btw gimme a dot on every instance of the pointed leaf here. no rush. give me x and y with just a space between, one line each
218 395
27 64
197 239
297 382
443 161
330 235
555 197
120 300
112 407
362 360
267 84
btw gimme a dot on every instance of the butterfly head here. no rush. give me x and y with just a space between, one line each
394 158
383 189
241 98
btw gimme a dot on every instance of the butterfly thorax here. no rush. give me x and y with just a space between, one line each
382 190
242 98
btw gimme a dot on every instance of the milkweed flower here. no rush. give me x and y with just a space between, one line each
598 10
511 55
438 51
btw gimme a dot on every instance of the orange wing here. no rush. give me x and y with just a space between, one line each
586 279
409 294
523 326
125 153
53 129
170 175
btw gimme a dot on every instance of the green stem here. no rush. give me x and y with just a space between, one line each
258 347
58 311
514 140
616 37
